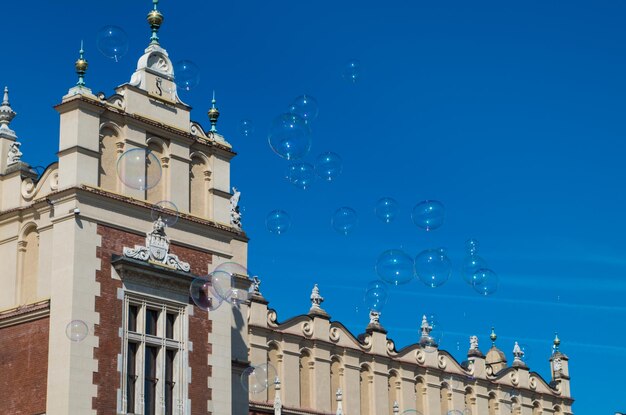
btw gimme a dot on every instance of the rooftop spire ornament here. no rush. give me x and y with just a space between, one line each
155 19
556 343
493 337
6 115
81 66
214 114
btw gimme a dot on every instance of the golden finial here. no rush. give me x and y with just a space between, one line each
81 66
556 342
493 337
155 19
214 114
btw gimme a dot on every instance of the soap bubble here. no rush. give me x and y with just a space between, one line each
232 268
222 284
258 378
352 70
433 267
305 106
485 281
246 128
76 330
139 168
278 221
386 209
240 296
112 42
395 267
186 74
344 220
202 294
472 262
375 296
328 166
428 214
300 175
167 210
289 136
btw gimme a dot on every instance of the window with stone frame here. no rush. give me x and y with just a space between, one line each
154 356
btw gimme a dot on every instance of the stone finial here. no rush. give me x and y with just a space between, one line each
155 20
374 317
396 408
556 343
81 66
256 284
374 324
339 396
493 337
6 116
425 327
316 298
214 114
518 354
473 342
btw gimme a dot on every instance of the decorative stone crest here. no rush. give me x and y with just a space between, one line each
474 351
235 213
157 249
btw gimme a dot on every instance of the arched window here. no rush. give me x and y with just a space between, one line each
537 410
28 265
557 410
274 358
199 176
336 380
420 394
306 367
470 401
365 390
516 406
107 169
393 388
445 395
158 148
492 404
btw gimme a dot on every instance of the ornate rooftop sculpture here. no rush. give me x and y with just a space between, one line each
157 249
316 302
235 213
518 354
6 116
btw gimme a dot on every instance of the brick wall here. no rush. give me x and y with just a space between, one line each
24 367
110 308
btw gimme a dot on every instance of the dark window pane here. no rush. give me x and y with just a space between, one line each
152 316
131 377
169 326
169 381
150 381
132 317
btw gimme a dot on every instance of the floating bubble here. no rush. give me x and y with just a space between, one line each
300 175
112 42
305 106
485 281
167 211
186 74
232 268
257 379
278 221
246 128
386 209
222 284
375 284
202 294
328 166
375 297
433 267
139 168
352 70
290 136
76 330
344 220
395 267
472 262
428 214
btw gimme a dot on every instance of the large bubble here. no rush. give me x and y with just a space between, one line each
300 175
290 137
428 214
278 221
139 168
395 267
328 166
222 284
232 268
433 267
344 220
352 71
76 330
386 209
485 281
112 42
258 378
202 294
167 211
375 296
472 262
186 74
305 106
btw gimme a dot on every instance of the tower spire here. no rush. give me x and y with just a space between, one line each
556 343
155 19
214 114
6 115
81 66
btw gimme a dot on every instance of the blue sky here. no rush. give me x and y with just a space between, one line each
511 114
